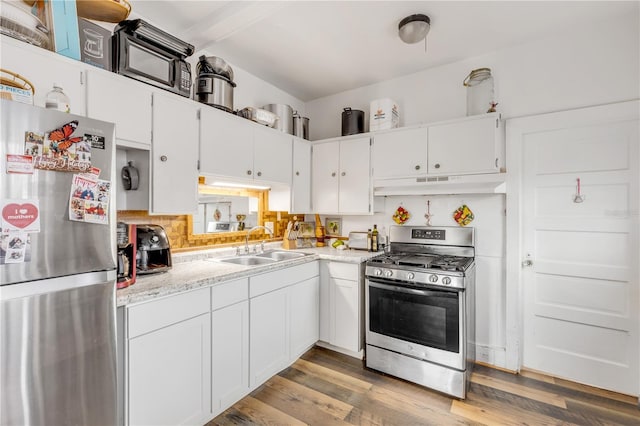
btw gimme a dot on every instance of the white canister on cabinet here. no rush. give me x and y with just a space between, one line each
383 114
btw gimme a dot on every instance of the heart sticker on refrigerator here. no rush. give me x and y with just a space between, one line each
21 217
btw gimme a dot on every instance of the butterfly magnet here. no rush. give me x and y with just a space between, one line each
63 150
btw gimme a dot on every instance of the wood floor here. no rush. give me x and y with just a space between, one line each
328 388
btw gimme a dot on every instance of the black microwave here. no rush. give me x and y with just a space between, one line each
148 54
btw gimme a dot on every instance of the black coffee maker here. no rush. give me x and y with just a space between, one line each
153 251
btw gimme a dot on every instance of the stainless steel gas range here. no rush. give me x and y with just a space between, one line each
420 307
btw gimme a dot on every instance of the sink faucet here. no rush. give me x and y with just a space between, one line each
246 242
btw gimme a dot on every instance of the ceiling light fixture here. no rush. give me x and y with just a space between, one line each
414 28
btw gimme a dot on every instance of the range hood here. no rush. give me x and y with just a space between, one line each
492 183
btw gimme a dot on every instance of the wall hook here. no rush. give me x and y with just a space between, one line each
578 197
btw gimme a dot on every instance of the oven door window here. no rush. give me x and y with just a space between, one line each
425 317
145 62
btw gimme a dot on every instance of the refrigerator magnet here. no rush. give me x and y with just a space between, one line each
20 216
20 164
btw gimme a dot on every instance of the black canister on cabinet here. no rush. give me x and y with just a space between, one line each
352 121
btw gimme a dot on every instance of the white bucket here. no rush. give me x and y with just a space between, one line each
383 114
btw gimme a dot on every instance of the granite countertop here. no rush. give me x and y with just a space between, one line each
197 269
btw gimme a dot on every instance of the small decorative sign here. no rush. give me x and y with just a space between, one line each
20 216
61 152
20 164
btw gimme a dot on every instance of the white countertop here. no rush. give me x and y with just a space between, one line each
196 269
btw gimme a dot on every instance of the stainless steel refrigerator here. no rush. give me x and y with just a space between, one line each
57 269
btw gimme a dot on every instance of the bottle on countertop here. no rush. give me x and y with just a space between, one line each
369 239
374 238
57 99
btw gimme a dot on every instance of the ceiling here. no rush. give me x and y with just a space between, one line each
312 49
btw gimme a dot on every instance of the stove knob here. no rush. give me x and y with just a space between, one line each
411 276
388 273
446 281
377 272
433 278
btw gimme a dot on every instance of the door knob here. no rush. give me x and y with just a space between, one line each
163 158
528 261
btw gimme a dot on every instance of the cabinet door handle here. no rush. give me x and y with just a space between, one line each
417 166
163 158
333 174
343 174
437 165
297 173
249 172
259 173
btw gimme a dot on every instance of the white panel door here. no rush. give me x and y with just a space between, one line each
174 154
305 316
345 314
301 177
355 172
268 335
272 155
226 144
123 101
324 177
581 289
399 153
465 147
230 355
43 68
170 374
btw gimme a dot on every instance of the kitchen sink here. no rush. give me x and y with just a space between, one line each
264 258
247 260
281 255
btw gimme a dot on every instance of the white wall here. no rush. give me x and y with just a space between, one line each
595 65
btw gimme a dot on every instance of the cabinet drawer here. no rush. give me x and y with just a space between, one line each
265 283
169 310
346 271
229 293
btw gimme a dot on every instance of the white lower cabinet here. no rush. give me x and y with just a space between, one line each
230 355
304 316
169 360
188 357
284 320
229 343
342 306
269 335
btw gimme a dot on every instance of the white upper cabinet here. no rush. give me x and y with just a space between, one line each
226 144
123 101
301 178
341 176
272 155
238 148
42 68
469 146
399 153
325 165
174 164
355 171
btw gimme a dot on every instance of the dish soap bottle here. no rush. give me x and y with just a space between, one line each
56 99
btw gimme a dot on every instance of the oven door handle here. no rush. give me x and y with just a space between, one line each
420 292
